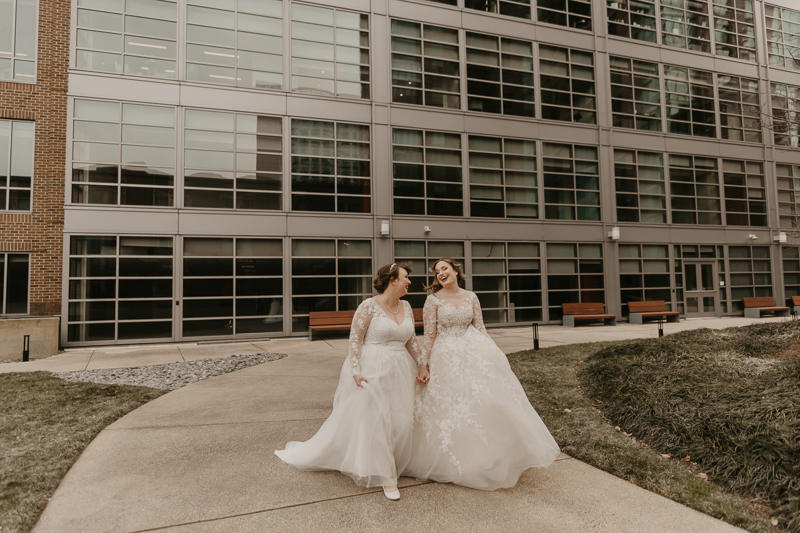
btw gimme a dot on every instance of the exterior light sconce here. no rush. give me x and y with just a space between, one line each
614 234
780 237
752 237
385 228
427 229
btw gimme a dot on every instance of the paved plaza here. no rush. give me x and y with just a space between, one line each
200 459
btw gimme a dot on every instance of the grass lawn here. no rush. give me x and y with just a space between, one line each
729 400
45 424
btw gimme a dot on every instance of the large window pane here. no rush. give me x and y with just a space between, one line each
227 279
18 37
328 275
233 161
142 268
242 48
132 154
327 174
16 165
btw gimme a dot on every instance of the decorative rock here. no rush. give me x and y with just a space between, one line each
170 376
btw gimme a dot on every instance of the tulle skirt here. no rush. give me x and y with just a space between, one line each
473 423
368 434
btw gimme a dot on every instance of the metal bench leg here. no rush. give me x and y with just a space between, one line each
569 321
310 334
635 318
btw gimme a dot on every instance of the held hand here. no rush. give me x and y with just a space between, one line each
423 376
360 379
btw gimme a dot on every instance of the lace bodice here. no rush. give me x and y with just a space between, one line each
442 318
371 325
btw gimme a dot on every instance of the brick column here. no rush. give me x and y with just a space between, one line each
45 103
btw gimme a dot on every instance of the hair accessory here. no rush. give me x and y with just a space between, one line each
391 266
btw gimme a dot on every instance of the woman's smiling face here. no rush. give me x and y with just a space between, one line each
446 274
402 280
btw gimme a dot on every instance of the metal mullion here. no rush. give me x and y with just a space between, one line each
14 51
116 259
4 279
8 167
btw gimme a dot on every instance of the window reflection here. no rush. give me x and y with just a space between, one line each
232 161
232 286
330 167
138 39
503 178
235 46
330 52
18 37
328 275
140 309
427 173
438 51
16 165
123 154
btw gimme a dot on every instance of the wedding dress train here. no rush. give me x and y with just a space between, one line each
473 423
368 434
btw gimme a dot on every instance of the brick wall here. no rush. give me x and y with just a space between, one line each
40 232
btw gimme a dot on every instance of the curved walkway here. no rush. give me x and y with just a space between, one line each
200 460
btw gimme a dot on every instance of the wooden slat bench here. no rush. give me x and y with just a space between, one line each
753 307
586 312
319 321
796 303
638 311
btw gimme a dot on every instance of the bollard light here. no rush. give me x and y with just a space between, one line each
660 326
26 347
535 336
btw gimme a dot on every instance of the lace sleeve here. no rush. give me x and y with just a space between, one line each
358 330
430 319
477 315
412 346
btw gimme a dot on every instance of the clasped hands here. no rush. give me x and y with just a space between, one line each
423 376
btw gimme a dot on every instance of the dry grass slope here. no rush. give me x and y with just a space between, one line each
728 399
45 424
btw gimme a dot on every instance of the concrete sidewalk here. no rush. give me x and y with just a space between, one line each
200 458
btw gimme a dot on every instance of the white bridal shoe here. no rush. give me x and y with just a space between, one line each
393 495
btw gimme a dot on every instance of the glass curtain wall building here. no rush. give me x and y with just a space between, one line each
231 163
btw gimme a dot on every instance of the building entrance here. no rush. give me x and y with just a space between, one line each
701 294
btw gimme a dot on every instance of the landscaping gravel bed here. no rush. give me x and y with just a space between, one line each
170 376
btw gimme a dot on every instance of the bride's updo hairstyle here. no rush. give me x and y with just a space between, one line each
436 286
387 274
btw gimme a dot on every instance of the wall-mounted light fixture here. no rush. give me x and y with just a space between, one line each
384 227
752 237
780 237
614 233
427 229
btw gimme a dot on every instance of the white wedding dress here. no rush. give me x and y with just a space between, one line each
368 434
473 423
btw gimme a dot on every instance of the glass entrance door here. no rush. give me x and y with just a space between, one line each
701 294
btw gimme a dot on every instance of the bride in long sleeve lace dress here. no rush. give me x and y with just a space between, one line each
473 423
368 434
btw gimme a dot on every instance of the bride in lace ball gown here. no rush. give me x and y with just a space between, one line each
473 423
368 434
